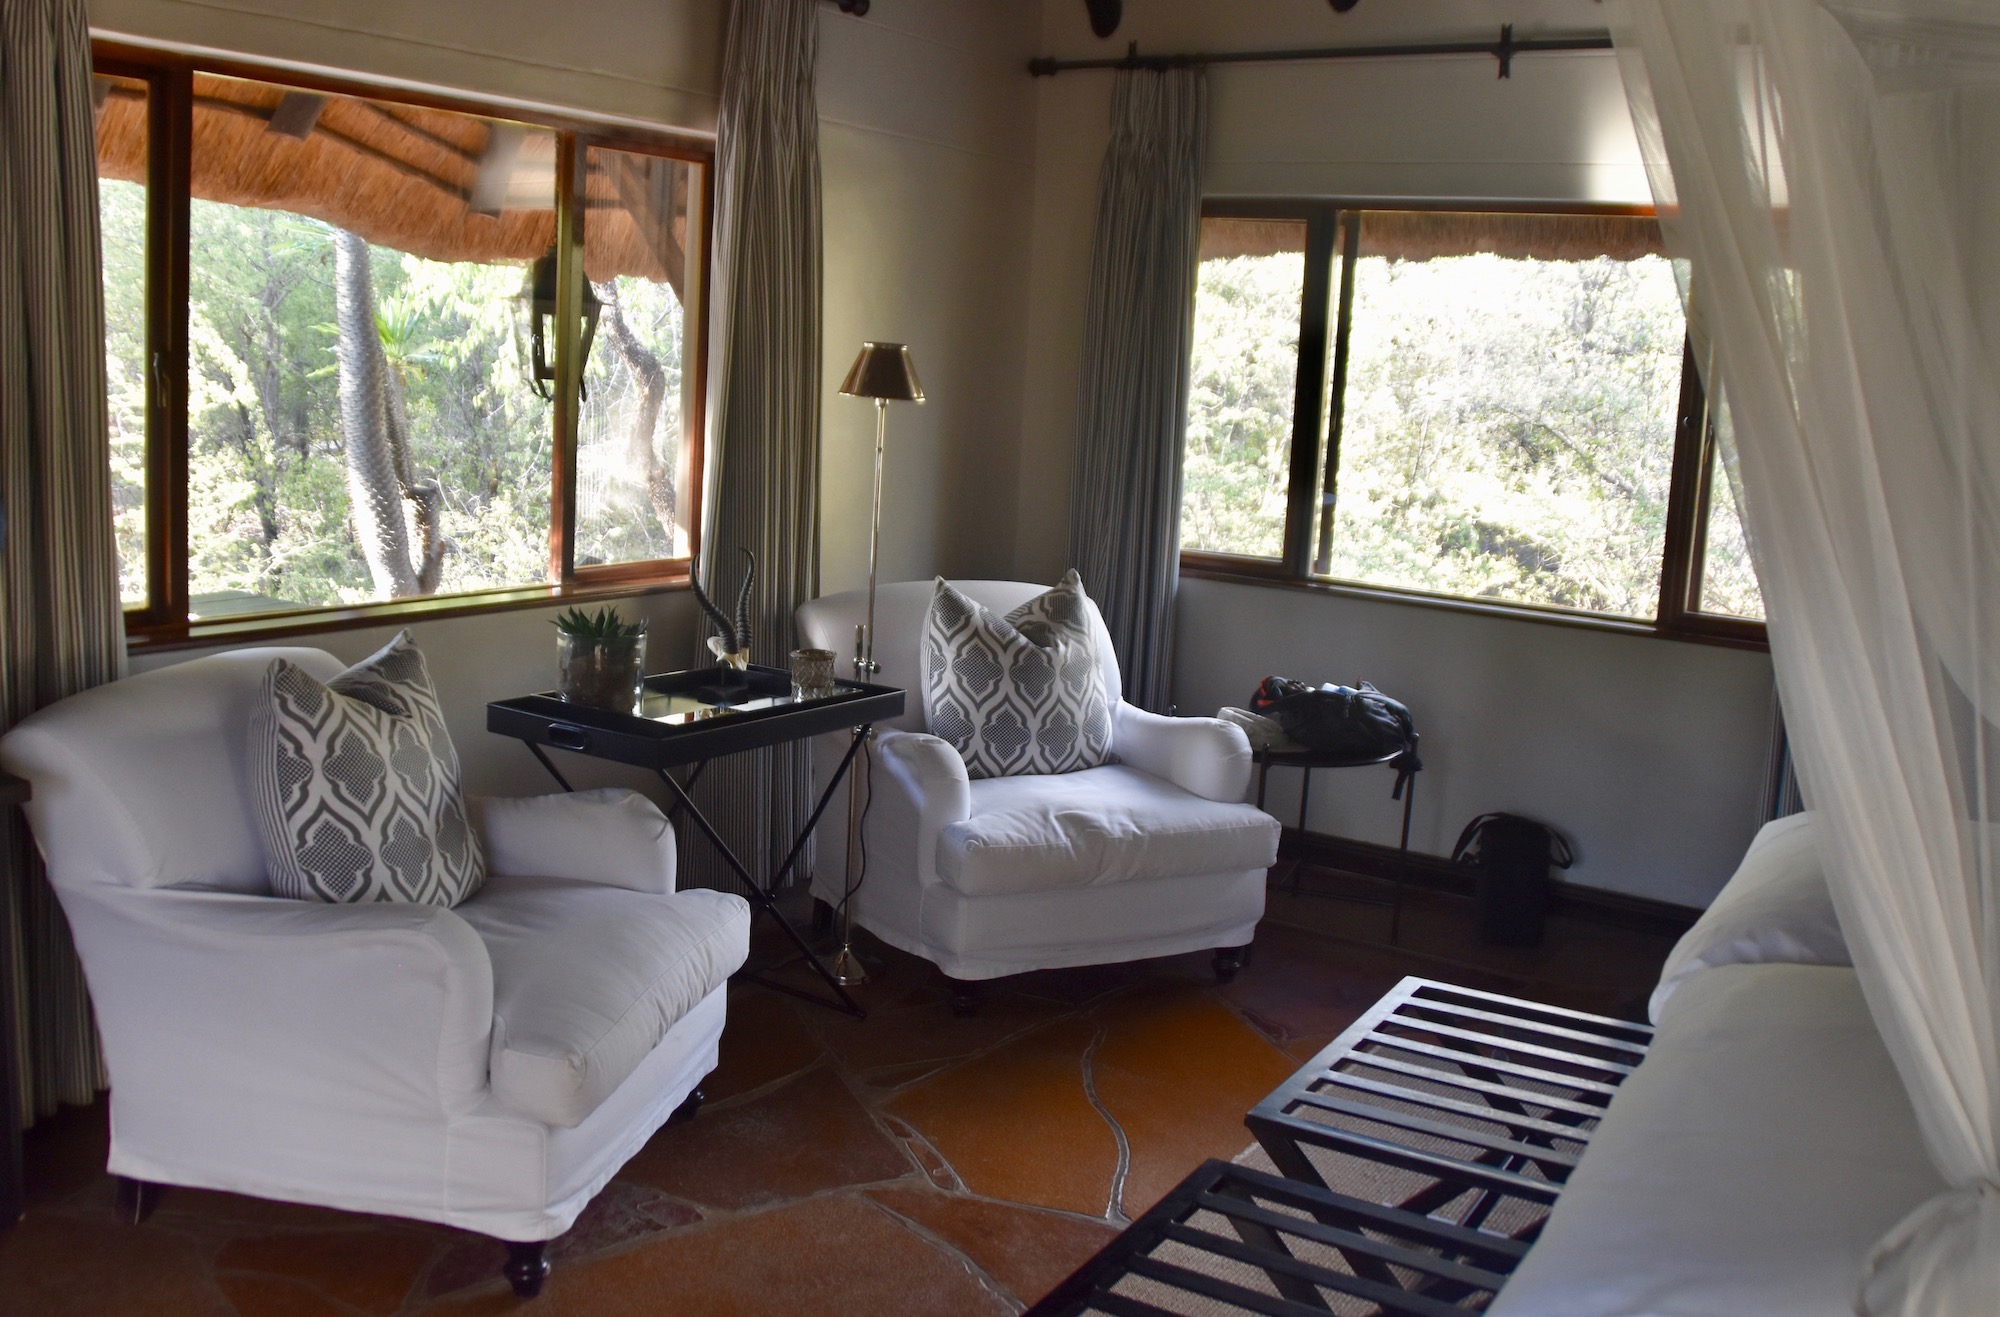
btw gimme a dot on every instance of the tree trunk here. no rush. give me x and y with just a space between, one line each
390 508
652 381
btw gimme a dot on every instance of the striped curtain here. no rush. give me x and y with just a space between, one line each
1125 505
763 455
60 626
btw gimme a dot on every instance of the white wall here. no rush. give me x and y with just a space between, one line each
928 177
1650 753
495 656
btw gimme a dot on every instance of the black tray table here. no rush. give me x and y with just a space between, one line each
689 718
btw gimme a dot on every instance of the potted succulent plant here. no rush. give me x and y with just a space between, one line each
600 658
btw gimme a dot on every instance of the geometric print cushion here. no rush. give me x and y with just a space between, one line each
356 785
1019 694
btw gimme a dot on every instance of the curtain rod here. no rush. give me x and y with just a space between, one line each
1503 50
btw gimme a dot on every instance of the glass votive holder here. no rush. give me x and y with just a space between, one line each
812 673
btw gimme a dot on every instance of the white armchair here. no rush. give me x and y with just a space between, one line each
488 1066
1152 855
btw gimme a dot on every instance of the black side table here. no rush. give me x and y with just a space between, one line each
683 719
1407 766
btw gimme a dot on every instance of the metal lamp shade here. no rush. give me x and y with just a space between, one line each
883 370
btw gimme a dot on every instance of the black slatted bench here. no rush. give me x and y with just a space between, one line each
1418 1155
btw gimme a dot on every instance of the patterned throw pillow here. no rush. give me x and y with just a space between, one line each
356 785
1022 694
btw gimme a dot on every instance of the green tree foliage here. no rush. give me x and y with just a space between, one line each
123 224
629 433
1239 434
1508 427
270 513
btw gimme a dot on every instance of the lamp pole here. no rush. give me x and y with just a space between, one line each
882 374
865 666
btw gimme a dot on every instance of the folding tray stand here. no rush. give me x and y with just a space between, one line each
1464 1111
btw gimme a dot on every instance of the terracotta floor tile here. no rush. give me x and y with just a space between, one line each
53 1264
839 1256
1301 989
621 1213
810 1135
1025 1249
372 1270
762 1042
1177 1070
896 1045
1017 1124
254 1295
980 1125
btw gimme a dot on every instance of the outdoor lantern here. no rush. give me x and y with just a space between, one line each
541 295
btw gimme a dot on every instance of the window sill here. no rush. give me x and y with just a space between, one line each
1728 632
143 639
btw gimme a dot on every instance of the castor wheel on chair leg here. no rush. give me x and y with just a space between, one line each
1228 960
527 1267
965 996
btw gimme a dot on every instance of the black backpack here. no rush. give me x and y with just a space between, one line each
1343 722
1511 856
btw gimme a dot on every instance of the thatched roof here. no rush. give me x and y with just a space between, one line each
1419 235
435 183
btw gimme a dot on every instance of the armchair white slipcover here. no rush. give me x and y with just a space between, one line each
1152 855
488 1066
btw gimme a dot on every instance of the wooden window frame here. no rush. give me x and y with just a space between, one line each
163 621
1317 418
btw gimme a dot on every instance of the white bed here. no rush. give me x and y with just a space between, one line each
1764 1145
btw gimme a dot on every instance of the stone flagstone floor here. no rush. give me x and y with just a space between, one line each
911 1163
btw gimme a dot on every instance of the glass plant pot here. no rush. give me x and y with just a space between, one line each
603 674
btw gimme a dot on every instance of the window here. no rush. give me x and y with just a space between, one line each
363 349
1484 406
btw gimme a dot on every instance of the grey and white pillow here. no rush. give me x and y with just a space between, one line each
356 785
1019 694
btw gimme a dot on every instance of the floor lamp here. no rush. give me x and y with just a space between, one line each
884 373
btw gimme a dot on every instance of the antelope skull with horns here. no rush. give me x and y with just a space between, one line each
732 647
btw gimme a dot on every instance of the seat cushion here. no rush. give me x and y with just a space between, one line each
588 979
1103 825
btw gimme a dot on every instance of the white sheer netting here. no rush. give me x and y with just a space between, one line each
1832 173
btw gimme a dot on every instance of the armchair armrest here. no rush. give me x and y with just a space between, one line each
1205 756
920 790
610 836
283 1012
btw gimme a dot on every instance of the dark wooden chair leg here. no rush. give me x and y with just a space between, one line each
690 1107
136 1199
1228 960
965 995
527 1267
